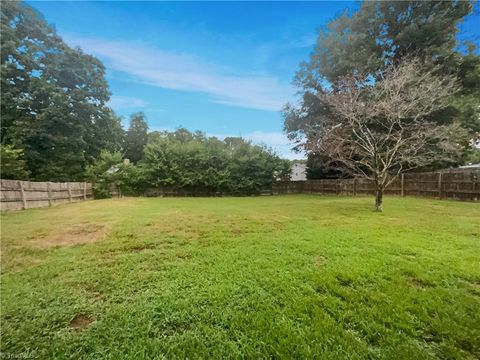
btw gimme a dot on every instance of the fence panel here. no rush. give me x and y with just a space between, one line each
16 195
461 184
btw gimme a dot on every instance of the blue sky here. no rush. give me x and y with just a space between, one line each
224 68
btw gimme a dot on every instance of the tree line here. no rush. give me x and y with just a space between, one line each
187 161
57 126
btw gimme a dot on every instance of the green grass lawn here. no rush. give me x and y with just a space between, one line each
257 277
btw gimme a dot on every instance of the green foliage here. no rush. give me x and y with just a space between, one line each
473 156
107 134
318 167
271 277
111 173
191 161
136 137
383 33
12 164
253 167
53 98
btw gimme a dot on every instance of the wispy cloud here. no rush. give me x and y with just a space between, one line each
125 102
187 72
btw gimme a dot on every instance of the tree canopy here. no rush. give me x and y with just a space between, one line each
377 131
54 97
377 36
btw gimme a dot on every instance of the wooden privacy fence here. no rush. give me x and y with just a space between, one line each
16 195
461 184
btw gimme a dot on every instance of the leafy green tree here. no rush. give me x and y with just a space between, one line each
53 98
385 33
381 34
111 172
105 134
12 164
136 137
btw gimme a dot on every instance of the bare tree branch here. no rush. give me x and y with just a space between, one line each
377 131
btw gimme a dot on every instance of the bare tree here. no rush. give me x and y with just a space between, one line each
378 129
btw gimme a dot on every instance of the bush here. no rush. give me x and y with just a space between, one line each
111 173
192 162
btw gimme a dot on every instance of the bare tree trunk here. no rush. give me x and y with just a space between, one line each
378 199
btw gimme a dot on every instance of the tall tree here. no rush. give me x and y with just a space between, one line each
136 137
381 34
377 131
106 134
53 97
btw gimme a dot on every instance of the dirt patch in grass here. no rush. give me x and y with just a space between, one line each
77 234
80 321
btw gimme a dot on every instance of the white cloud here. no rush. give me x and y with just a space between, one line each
180 71
125 102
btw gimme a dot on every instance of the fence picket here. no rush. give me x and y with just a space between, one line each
17 195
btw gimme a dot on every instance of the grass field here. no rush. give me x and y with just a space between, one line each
261 277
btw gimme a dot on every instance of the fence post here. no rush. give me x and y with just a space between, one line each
354 186
338 186
49 188
475 184
69 193
440 185
402 184
84 191
24 200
